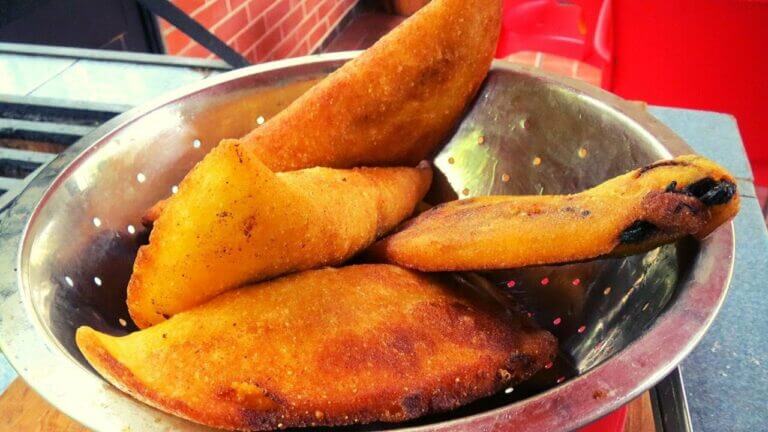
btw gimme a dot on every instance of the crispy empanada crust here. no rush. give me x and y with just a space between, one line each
325 347
239 222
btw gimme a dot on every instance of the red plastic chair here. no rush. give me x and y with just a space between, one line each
542 25
579 30
613 422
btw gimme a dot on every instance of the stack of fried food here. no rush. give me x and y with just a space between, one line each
243 325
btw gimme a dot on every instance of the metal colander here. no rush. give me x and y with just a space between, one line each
69 241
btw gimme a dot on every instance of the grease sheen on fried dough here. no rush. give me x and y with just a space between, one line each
240 222
629 214
325 347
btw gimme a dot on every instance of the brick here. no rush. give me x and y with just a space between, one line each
310 21
232 25
194 50
298 50
251 55
304 29
268 42
317 34
256 8
212 13
236 4
282 52
293 52
262 55
284 49
311 4
306 49
277 12
175 41
313 15
247 38
188 6
165 26
291 22
338 12
324 9
248 52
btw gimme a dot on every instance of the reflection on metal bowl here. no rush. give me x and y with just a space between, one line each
622 323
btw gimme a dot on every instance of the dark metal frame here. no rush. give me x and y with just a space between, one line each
59 133
26 162
166 10
151 29
113 56
42 119
670 405
195 30
58 110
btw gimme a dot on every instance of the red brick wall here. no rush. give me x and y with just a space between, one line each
261 30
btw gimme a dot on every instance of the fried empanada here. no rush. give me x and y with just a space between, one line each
325 347
392 105
243 223
629 214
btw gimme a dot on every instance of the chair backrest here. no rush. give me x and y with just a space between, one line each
578 29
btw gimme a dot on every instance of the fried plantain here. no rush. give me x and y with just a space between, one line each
243 223
325 347
629 214
392 105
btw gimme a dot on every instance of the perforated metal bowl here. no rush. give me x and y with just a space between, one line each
69 241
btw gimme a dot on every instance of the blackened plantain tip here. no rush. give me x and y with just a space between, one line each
711 192
638 232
